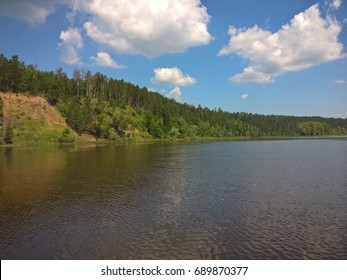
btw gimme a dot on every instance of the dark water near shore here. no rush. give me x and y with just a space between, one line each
219 200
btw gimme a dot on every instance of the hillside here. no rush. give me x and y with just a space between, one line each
31 107
111 109
31 119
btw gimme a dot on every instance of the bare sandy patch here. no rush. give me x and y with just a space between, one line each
34 107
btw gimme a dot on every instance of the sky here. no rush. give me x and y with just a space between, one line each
267 57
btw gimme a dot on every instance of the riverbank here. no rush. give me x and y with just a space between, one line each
32 120
103 142
28 120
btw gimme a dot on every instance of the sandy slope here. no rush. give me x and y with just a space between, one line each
34 107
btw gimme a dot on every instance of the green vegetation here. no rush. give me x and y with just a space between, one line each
8 137
114 109
33 131
66 136
26 130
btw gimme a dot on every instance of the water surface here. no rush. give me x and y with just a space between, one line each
219 200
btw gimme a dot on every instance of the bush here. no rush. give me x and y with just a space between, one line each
66 136
8 138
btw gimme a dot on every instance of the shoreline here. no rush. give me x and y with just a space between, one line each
103 142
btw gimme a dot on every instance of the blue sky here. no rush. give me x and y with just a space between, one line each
268 57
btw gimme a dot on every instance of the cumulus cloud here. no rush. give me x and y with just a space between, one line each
33 11
244 96
175 93
306 41
341 81
172 77
149 27
71 42
105 60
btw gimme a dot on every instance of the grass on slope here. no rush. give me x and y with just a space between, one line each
31 119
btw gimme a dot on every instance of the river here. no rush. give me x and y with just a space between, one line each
283 199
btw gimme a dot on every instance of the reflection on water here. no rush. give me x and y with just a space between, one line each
225 200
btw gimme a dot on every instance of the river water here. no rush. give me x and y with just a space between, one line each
215 200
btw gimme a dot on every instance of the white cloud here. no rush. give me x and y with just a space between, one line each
336 4
33 11
172 77
71 42
151 89
341 81
244 96
252 74
306 41
175 94
149 27
105 60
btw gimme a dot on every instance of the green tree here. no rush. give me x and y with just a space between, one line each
313 128
154 125
77 79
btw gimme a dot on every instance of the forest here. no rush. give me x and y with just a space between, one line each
112 109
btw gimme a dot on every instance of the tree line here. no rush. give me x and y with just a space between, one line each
110 109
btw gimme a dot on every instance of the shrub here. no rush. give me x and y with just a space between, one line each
8 138
66 136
